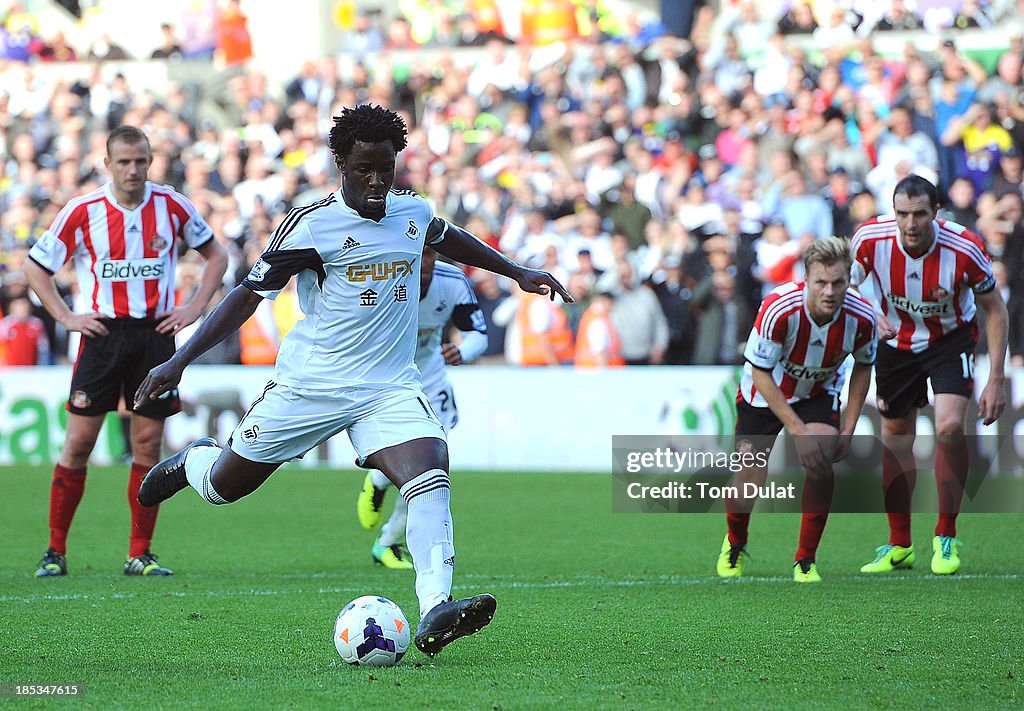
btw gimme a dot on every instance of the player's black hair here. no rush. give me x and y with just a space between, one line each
126 134
370 124
915 186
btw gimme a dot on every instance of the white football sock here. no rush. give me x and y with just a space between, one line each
198 465
379 479
394 529
429 536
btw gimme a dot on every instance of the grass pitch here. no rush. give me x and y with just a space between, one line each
595 610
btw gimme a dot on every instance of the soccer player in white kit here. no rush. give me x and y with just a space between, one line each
348 365
445 296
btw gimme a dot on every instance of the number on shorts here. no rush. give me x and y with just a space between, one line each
444 400
967 363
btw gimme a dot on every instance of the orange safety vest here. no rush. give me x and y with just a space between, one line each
585 355
233 38
549 21
558 334
258 348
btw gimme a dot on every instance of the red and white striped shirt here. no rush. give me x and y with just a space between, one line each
125 259
930 296
806 359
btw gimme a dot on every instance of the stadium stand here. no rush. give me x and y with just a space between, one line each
593 142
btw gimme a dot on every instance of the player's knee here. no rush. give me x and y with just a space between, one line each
429 485
898 429
77 448
821 473
146 449
949 432
233 482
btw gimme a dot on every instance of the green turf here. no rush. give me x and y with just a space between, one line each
595 610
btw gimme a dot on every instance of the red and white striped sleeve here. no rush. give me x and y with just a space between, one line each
62 239
767 338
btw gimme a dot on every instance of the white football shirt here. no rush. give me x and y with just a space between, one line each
358 282
450 297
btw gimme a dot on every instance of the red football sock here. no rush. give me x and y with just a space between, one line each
816 501
951 464
65 493
737 511
143 517
898 482
739 523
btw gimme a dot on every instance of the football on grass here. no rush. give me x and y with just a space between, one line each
371 631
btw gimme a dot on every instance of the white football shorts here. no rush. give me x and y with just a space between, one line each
282 425
442 402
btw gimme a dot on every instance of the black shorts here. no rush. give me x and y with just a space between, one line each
761 421
901 377
114 365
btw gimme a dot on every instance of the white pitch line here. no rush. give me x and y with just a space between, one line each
581 582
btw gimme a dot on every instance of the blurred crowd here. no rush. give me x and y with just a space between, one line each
669 182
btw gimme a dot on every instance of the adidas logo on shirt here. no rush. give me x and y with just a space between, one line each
132 228
349 243
914 275
817 342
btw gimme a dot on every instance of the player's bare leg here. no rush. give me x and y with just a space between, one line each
738 510
67 488
419 468
819 483
951 466
899 478
899 474
737 519
219 475
146 436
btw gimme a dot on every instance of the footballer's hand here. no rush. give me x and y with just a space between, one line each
535 281
90 324
451 353
160 380
170 322
843 442
992 402
809 452
886 330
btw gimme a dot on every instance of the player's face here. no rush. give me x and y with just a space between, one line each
368 172
826 288
914 217
128 164
427 270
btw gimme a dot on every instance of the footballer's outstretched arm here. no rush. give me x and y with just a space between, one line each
860 381
462 246
993 399
227 317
